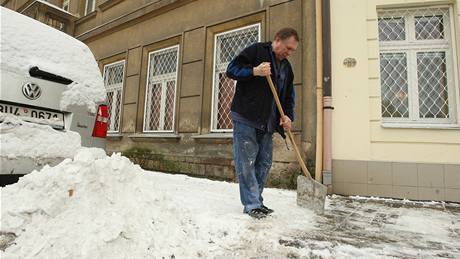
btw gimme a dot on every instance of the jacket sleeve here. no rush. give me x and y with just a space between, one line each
240 68
289 102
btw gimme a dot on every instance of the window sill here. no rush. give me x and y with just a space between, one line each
420 126
86 17
226 135
154 136
114 136
108 3
215 138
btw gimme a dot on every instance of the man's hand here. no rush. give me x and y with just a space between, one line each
262 70
286 122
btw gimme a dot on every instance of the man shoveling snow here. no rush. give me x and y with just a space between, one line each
255 116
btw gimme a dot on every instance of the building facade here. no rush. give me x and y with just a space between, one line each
395 87
55 13
164 65
396 128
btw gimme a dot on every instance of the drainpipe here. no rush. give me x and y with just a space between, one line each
319 92
327 95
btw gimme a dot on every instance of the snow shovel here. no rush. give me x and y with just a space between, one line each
310 193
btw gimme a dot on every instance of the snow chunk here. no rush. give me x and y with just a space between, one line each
82 94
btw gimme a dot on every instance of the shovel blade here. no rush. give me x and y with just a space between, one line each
311 194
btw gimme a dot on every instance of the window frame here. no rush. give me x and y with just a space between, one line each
93 8
121 95
411 46
64 3
162 111
214 94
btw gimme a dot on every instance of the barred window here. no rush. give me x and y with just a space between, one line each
416 65
113 81
228 45
161 90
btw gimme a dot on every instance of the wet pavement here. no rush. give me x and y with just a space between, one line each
359 227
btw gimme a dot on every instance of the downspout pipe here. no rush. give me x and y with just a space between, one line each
319 91
327 95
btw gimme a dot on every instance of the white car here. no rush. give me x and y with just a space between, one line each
49 78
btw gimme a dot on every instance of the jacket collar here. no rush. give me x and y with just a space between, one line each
267 44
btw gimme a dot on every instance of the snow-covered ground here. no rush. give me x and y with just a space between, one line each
94 206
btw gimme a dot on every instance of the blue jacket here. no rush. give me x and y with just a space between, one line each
253 98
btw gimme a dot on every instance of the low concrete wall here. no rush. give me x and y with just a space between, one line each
415 181
210 158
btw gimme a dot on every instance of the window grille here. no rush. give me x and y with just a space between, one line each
228 45
161 90
113 81
416 65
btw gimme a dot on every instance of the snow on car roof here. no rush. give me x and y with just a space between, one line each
26 42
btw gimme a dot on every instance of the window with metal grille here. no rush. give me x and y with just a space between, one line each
113 81
228 45
161 90
90 6
417 65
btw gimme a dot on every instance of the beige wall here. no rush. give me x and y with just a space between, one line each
369 159
357 127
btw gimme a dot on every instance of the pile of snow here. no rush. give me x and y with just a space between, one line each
26 42
91 207
23 139
95 206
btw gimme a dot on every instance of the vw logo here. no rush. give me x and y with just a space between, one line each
31 90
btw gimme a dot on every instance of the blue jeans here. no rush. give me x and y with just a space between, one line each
252 152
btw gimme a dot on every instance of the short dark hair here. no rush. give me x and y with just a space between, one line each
286 33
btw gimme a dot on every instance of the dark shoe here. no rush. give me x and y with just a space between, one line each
257 213
266 210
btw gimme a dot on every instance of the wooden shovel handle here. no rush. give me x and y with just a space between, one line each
289 133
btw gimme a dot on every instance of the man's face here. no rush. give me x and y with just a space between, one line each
284 48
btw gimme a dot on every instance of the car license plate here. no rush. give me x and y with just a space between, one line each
54 119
